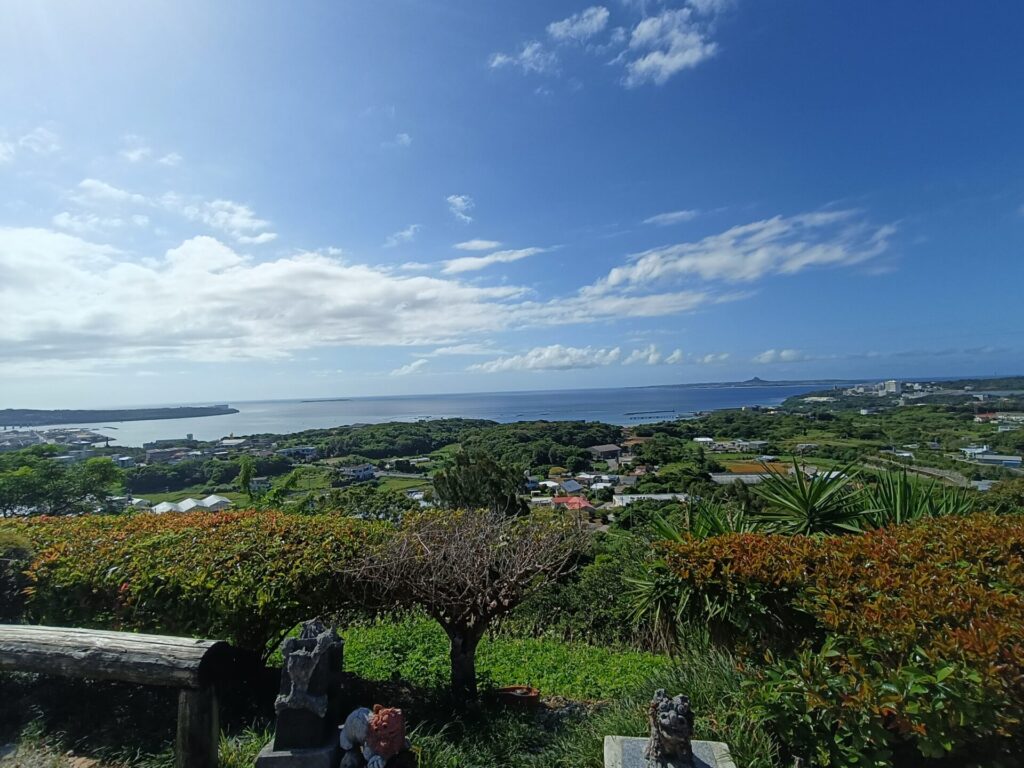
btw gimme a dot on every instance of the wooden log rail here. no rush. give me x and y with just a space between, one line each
193 666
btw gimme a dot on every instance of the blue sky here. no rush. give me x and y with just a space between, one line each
240 200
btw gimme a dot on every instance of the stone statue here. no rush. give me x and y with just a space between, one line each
372 736
310 683
671 730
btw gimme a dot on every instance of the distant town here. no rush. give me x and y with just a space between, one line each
965 433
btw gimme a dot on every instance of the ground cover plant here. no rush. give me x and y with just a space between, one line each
417 649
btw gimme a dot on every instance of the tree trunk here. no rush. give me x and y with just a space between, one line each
463 657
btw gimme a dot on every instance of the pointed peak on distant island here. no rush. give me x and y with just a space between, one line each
756 380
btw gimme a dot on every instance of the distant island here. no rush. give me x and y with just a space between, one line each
27 417
755 382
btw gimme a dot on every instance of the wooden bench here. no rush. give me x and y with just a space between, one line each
193 666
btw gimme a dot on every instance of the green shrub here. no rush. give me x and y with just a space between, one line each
247 577
15 551
591 605
904 637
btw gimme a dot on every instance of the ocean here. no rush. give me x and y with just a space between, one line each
633 405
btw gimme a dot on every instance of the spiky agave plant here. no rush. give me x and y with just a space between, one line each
898 497
661 598
797 504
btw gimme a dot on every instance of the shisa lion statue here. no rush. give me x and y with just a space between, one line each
671 730
375 736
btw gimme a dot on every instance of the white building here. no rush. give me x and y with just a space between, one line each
973 451
212 503
359 472
625 499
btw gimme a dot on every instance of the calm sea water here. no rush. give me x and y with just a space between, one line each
614 406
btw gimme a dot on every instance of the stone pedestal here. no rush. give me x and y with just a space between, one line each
322 757
628 752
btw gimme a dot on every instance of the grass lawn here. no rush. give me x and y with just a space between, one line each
446 450
312 478
403 483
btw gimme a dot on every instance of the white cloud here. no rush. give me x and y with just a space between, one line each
204 301
473 263
780 245
400 140
671 217
552 358
41 141
478 245
136 154
580 26
412 367
533 57
460 206
85 223
469 348
403 236
772 356
661 46
92 191
648 355
227 216
260 239
664 42
235 219
713 358
676 357
135 149
584 308
710 6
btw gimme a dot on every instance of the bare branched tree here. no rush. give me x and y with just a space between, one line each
466 568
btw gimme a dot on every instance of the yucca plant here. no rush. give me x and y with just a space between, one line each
899 497
709 518
661 598
658 598
797 504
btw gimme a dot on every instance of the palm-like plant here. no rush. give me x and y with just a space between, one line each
660 597
797 504
898 497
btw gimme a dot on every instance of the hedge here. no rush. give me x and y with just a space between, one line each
905 636
247 577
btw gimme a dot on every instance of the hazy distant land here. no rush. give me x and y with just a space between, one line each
27 417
